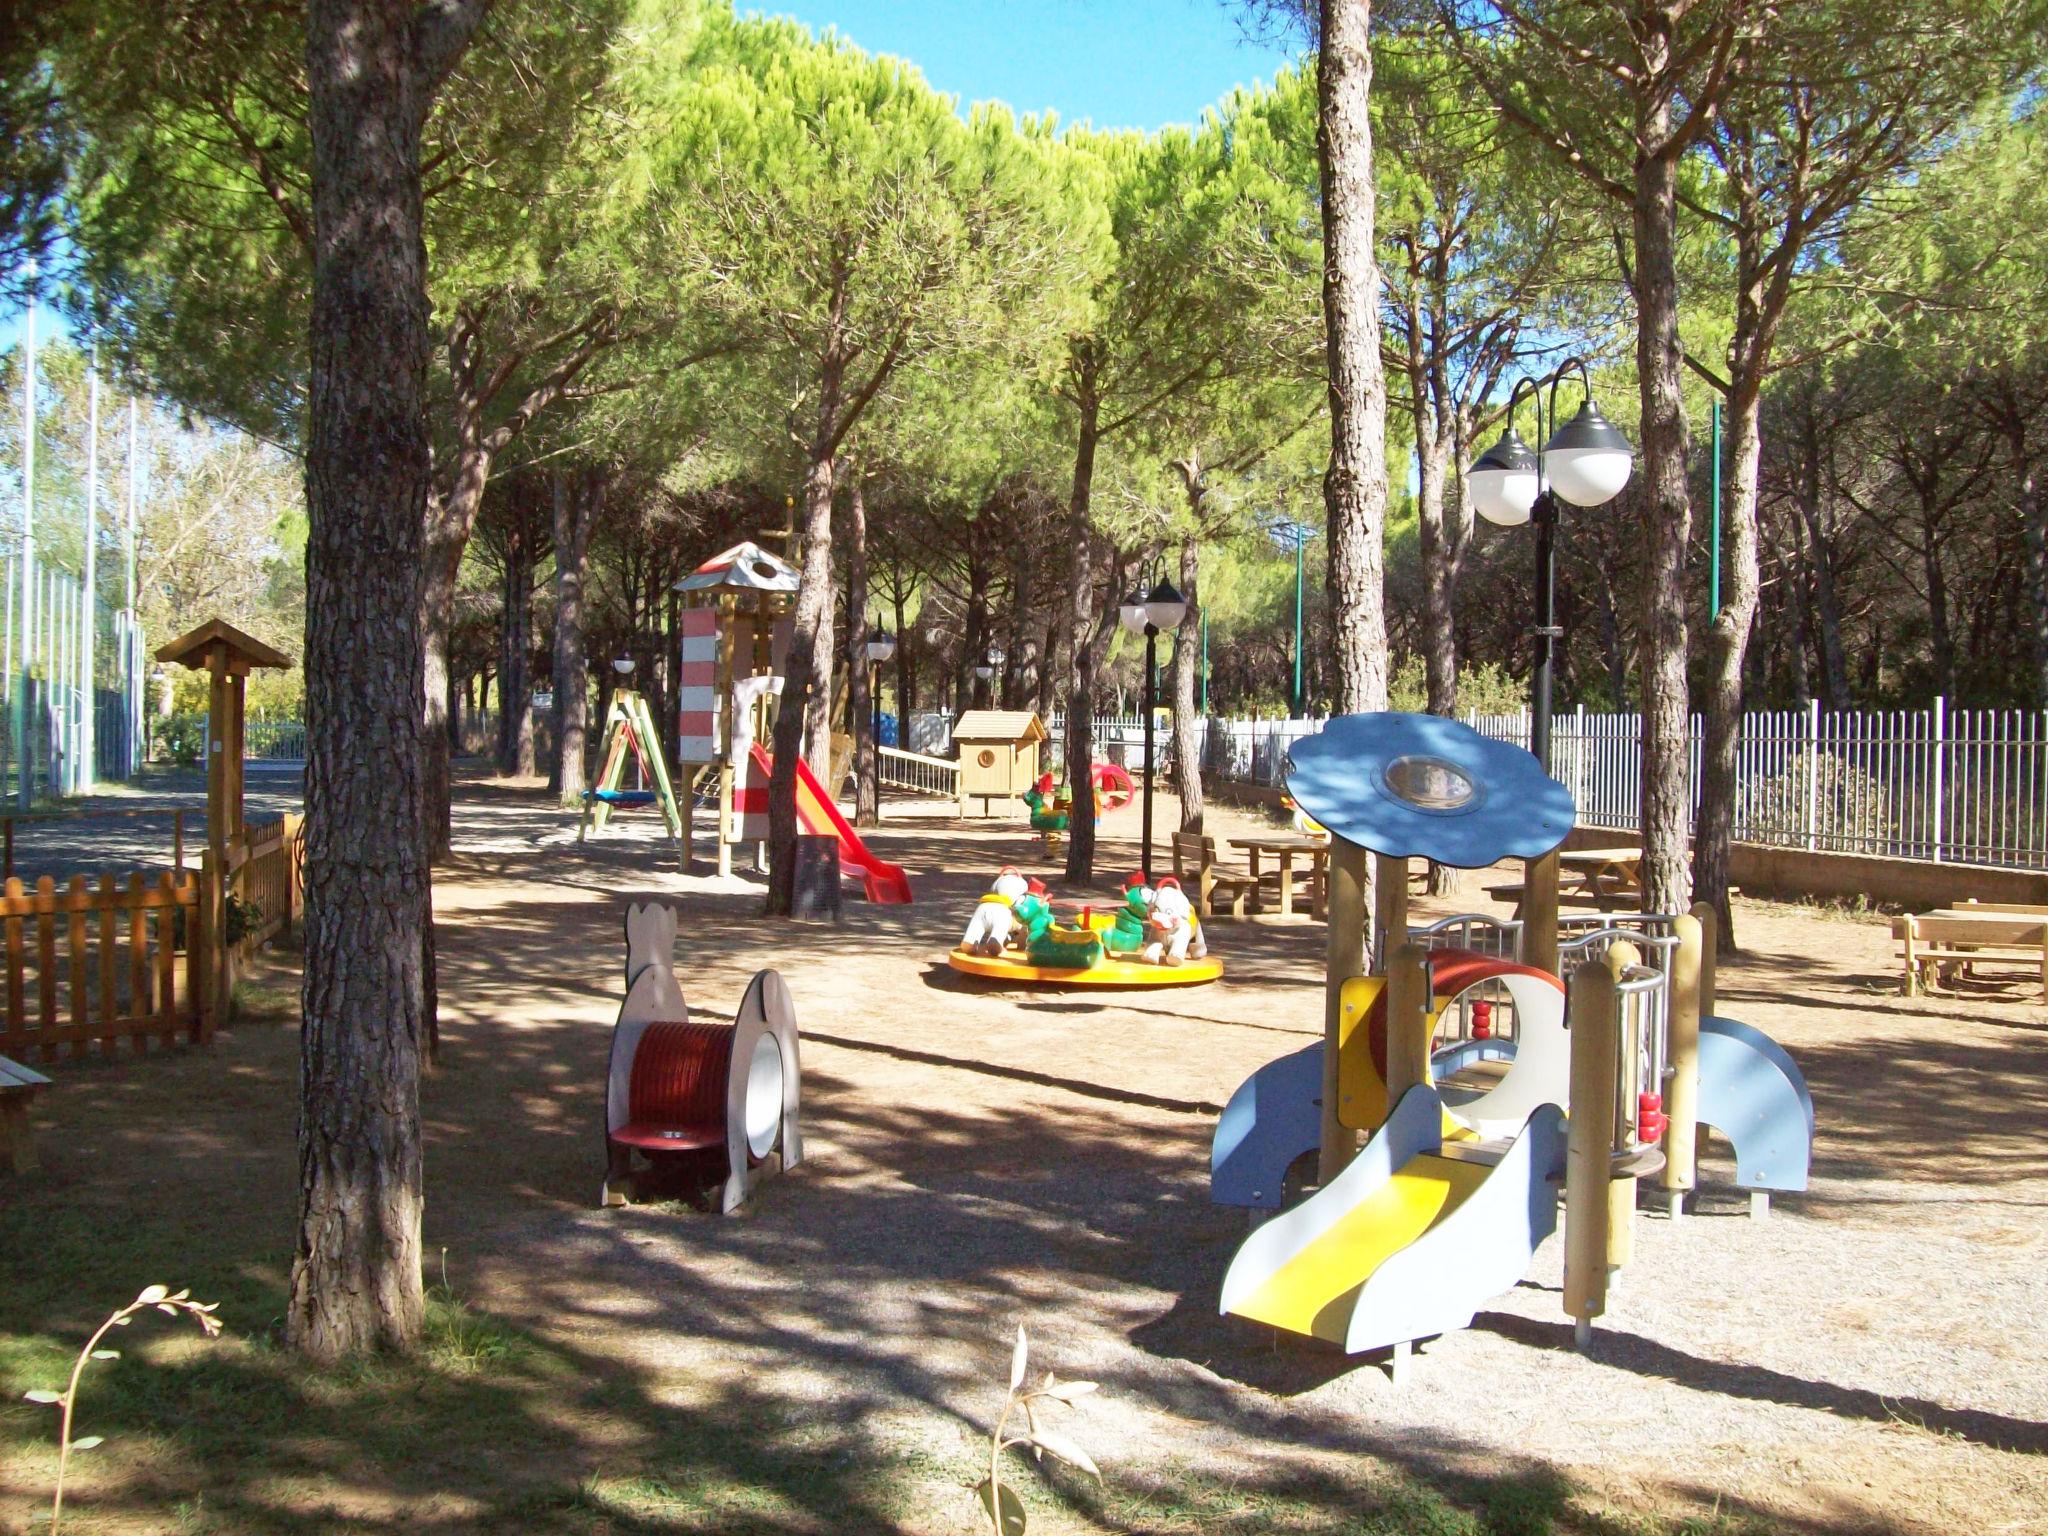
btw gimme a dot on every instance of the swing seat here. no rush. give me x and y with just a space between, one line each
621 796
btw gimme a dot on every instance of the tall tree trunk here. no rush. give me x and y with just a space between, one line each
1666 807
371 68
2033 510
1187 662
1081 621
1940 630
905 671
1799 646
867 797
1355 485
515 715
1727 648
578 501
810 629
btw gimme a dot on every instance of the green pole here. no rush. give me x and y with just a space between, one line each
1300 538
1714 580
1205 661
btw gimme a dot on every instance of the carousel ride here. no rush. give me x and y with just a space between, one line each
1151 938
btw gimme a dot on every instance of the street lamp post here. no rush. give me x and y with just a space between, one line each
986 669
1586 462
1148 614
881 650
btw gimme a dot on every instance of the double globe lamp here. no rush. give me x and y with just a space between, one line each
1150 614
1585 462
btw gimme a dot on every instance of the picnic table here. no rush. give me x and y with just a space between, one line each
1950 939
1607 879
1285 848
18 1086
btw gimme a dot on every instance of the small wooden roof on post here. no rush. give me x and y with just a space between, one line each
229 655
218 644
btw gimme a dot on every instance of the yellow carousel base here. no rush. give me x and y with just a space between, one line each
1108 972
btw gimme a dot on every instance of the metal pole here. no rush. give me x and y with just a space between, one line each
1205 662
131 661
87 771
1300 539
1151 662
25 654
1545 516
1714 580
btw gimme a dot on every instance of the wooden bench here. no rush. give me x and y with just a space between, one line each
1595 900
1207 881
18 1085
1957 938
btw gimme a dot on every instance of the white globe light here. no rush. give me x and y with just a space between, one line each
1587 460
1165 607
1503 496
1504 483
1131 613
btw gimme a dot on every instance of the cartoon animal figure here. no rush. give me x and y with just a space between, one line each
1034 915
1047 813
995 917
1127 934
1176 932
1304 823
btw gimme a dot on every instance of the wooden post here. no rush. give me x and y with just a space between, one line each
1539 912
1408 1024
1389 912
1589 1146
218 826
722 680
1345 959
1621 1193
1682 1093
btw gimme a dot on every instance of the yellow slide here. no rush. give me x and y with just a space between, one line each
1326 1276
1406 1242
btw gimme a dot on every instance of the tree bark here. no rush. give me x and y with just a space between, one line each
1666 810
371 68
1355 485
867 796
810 629
578 501
515 712
2032 507
1187 661
1827 608
1081 621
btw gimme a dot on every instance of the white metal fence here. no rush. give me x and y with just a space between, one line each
1941 784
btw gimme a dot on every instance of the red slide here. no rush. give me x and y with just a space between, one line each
816 814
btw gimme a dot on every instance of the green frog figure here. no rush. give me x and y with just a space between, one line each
1130 932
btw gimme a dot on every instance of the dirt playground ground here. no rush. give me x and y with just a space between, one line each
1868 1359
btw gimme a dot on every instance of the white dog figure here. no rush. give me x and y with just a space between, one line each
993 921
1173 920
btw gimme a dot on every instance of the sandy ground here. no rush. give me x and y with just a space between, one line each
1868 1359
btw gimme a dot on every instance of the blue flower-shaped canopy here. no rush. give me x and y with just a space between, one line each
1420 786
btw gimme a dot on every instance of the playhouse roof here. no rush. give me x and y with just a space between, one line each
196 648
746 567
999 725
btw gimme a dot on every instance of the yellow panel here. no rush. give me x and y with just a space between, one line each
1361 1096
1314 1291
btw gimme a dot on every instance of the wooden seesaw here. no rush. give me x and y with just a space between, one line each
675 1087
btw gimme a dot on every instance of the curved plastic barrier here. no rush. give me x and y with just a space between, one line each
1270 1121
1405 1242
1753 1093
1107 972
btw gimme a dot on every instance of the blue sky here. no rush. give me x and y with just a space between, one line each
1118 63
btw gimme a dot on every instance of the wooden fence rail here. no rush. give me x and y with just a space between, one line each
87 964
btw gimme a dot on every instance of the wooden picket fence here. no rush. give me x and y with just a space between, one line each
131 960
102 964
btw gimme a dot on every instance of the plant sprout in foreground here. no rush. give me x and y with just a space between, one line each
1002 1506
163 1300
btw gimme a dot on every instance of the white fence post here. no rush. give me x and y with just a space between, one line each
1938 774
1812 774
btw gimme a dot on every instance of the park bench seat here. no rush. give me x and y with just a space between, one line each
1598 901
1205 879
18 1086
1931 943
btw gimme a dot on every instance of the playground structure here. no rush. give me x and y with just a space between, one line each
1153 938
1454 1058
735 631
629 733
675 1088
